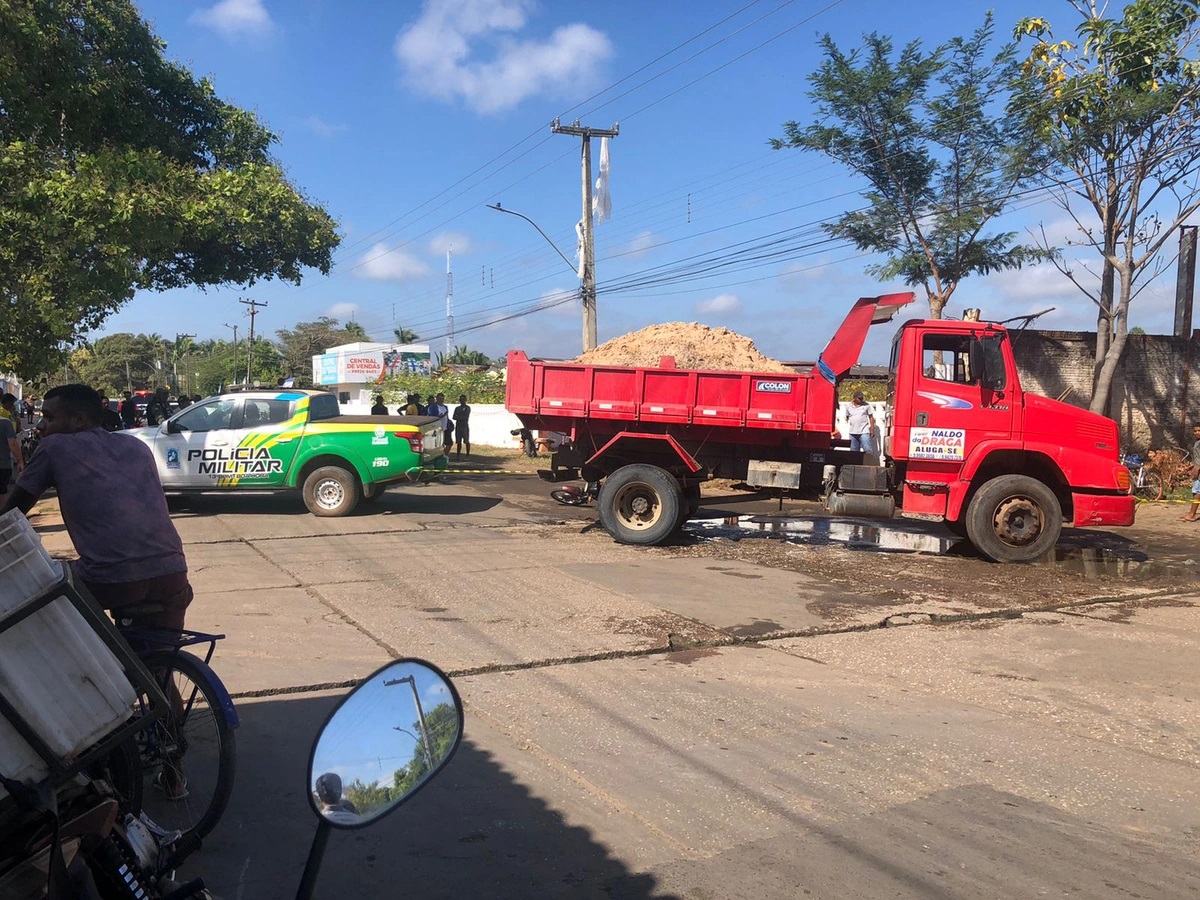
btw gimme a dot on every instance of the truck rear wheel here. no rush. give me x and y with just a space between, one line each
641 504
331 491
1014 518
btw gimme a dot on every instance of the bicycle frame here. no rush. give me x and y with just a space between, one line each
147 641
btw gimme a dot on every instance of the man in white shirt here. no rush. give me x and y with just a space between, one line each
861 421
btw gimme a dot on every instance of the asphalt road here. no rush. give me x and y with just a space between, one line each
691 722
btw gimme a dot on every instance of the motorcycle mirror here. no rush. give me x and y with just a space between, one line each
383 743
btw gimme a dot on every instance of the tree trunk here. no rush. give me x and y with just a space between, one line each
1106 366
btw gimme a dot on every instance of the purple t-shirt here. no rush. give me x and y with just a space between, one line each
112 504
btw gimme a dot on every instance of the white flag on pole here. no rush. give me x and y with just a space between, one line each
602 199
579 247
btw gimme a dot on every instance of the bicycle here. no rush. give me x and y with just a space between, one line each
179 770
1143 483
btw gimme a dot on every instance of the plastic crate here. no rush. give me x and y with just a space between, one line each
69 686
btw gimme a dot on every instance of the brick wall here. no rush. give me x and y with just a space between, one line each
1150 401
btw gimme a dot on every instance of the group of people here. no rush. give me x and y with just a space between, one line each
456 425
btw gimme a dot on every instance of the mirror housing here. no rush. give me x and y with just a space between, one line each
383 742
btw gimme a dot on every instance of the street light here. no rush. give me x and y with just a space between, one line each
513 212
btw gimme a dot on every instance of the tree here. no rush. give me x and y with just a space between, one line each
405 336
120 171
299 345
939 162
1118 113
120 362
463 356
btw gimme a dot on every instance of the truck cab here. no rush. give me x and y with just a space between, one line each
1000 466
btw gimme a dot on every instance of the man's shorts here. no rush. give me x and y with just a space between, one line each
172 592
1196 488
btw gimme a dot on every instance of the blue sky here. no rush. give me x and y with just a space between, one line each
406 119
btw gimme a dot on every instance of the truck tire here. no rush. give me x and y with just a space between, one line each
1014 518
641 504
331 491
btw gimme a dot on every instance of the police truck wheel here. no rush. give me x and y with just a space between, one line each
331 491
640 504
1014 518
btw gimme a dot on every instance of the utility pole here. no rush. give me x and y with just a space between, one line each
251 312
235 331
587 268
449 305
175 360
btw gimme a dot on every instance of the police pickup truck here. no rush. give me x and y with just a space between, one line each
292 440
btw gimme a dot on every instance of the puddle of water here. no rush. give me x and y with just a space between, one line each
904 537
821 532
1101 562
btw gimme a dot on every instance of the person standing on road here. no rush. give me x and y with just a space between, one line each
1195 473
128 410
158 407
10 455
462 426
8 410
861 421
129 550
109 420
438 408
379 409
415 407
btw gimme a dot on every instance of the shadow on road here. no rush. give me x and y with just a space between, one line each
474 831
399 500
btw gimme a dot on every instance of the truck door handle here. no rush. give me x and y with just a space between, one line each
219 443
922 418
283 440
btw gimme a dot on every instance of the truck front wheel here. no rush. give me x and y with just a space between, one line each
640 504
1014 518
331 491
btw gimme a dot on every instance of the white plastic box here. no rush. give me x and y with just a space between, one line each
55 670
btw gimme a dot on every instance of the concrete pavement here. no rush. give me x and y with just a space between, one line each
634 730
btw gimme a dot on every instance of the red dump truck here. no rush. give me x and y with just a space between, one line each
962 442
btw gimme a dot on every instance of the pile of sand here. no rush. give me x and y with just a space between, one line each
694 346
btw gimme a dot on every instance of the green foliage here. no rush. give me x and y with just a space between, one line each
480 387
873 391
463 356
405 335
298 345
920 127
442 724
1117 110
120 171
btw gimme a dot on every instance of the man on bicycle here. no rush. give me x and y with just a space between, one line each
112 505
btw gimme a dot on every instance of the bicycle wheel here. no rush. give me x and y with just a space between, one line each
1148 487
188 756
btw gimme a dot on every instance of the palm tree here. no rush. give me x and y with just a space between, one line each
405 335
355 331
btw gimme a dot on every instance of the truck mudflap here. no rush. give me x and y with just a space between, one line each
1102 509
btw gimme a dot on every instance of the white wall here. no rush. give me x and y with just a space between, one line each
492 424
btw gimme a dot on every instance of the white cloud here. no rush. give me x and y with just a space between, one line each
439 58
450 240
235 19
641 245
722 303
343 310
321 127
384 263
